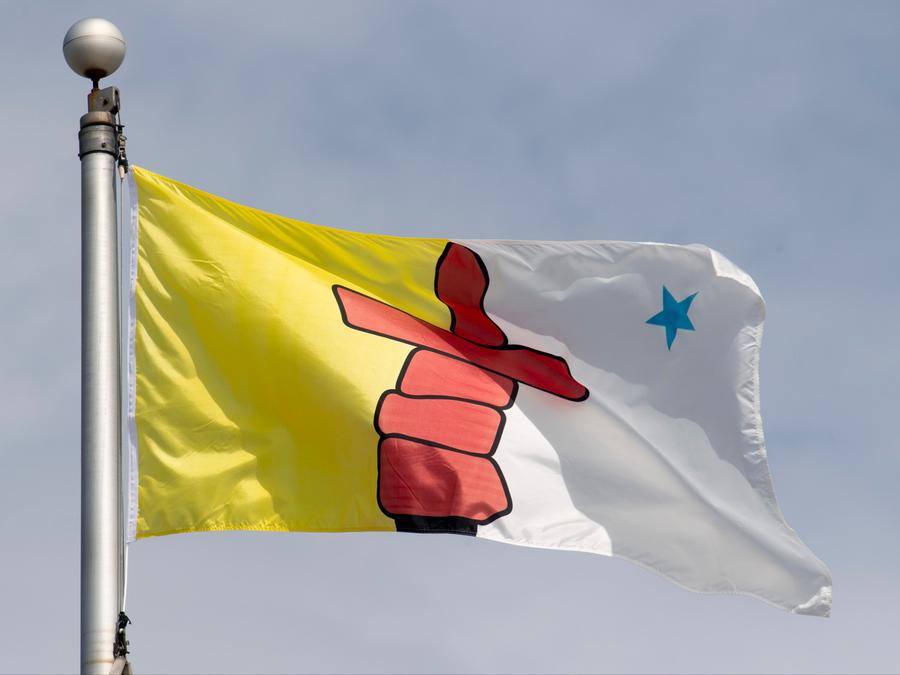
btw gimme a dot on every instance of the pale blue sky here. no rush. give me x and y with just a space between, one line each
769 131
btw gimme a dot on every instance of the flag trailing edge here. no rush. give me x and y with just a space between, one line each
593 396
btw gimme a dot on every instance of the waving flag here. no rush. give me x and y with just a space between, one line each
591 396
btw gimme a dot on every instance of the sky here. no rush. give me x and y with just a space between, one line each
768 131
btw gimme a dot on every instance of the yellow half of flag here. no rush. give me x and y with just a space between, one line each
261 399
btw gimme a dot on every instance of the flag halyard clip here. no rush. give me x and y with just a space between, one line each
120 646
121 156
121 665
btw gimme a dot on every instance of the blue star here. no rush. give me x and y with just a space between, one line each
674 315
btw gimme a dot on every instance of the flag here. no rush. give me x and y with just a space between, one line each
593 396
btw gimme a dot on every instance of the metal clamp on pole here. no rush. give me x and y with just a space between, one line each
94 48
99 132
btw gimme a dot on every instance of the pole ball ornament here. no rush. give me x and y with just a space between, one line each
94 48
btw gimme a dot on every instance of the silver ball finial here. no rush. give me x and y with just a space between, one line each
94 48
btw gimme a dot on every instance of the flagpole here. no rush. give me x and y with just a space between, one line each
94 48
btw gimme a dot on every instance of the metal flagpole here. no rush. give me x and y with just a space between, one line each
94 48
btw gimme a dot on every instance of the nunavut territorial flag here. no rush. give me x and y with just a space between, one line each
591 396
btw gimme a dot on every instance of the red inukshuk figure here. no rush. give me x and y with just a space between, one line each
442 423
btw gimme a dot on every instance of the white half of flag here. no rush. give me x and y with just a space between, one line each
665 463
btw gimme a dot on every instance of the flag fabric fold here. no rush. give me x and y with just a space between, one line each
593 396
